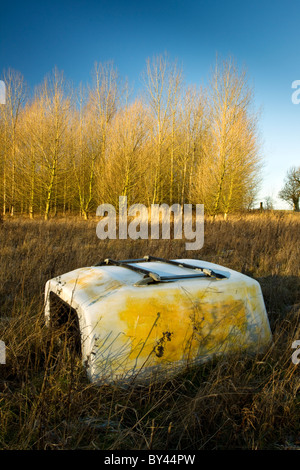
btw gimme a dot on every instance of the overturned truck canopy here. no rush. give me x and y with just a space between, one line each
139 318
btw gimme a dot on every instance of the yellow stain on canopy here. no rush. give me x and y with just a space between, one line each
173 327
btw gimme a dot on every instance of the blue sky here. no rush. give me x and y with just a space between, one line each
263 36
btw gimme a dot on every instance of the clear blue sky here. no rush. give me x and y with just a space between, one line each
262 35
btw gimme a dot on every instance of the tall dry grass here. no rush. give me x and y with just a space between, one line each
46 401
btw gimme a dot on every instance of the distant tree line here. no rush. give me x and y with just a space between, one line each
67 151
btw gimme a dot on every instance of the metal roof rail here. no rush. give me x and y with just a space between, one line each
208 272
125 264
150 276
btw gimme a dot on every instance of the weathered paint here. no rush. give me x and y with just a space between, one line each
130 330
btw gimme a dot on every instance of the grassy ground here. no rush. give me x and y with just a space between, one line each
46 401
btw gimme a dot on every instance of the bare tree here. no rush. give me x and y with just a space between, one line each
28 161
95 120
291 189
126 169
191 166
48 133
235 159
162 81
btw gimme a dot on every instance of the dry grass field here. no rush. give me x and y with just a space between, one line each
46 401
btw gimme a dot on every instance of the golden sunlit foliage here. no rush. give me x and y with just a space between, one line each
67 151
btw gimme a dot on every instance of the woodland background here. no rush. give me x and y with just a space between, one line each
66 150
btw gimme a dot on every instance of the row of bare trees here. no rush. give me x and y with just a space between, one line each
290 192
67 151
